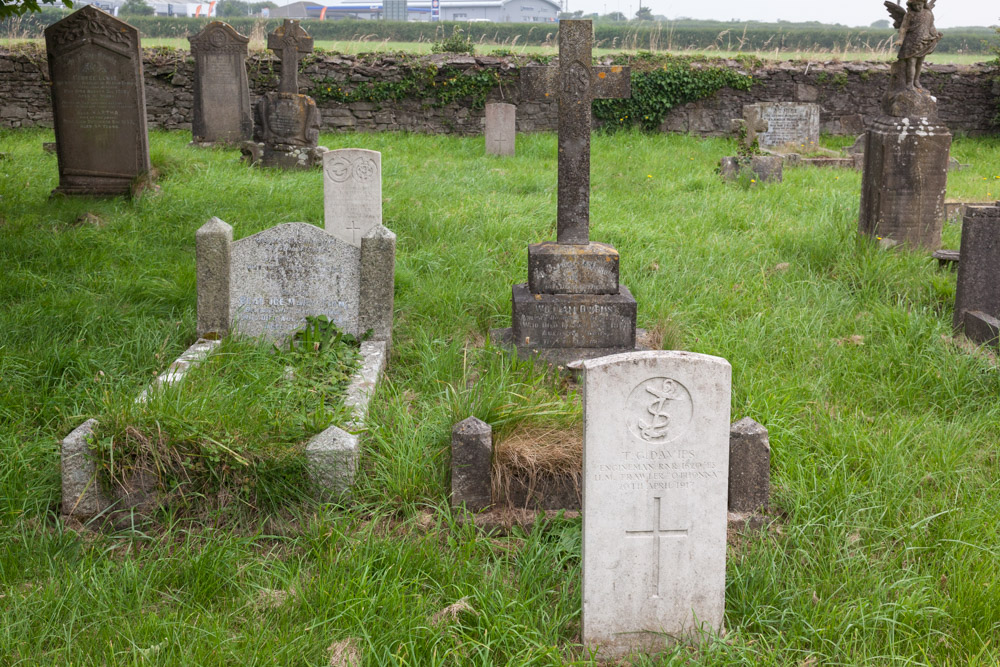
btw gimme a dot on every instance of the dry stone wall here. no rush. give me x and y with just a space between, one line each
848 94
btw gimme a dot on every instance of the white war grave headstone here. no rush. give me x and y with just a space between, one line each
352 193
655 471
501 128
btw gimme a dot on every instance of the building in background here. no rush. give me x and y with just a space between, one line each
492 11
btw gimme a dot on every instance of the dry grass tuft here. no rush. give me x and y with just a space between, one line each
533 451
452 612
344 653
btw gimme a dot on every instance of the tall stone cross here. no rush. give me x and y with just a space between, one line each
288 41
575 83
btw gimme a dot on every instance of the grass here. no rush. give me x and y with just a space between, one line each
357 46
884 431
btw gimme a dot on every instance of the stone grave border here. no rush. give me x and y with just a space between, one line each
332 455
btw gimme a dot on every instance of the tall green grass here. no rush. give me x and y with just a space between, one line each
884 432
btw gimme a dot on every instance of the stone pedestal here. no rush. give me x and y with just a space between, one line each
572 306
905 172
286 129
977 290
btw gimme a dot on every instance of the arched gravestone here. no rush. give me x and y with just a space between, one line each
221 93
98 103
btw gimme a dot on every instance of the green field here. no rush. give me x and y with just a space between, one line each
884 428
364 44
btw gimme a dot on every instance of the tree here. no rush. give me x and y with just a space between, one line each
644 14
18 7
135 8
614 16
571 15
881 23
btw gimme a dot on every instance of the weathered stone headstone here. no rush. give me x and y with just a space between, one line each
573 306
471 464
977 292
906 149
501 128
277 277
760 168
352 193
286 124
789 124
221 112
655 468
98 103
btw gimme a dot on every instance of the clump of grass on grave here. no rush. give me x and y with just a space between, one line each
234 428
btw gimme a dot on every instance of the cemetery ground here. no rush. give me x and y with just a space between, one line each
883 427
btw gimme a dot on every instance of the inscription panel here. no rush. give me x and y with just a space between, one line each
281 275
573 320
790 124
656 463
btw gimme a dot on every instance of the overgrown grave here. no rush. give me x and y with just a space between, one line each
294 326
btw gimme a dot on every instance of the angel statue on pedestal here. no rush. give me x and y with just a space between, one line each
917 36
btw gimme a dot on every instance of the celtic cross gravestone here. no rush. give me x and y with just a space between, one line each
572 306
289 41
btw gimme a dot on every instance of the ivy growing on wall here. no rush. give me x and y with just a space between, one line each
662 82
440 85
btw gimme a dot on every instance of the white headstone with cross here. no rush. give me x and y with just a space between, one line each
352 193
655 470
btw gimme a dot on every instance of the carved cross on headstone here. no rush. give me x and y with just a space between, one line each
288 41
575 83
658 533
749 126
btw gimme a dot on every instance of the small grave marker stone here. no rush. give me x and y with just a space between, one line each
221 110
471 464
501 128
655 469
98 103
352 193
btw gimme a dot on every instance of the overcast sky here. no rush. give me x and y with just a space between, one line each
947 13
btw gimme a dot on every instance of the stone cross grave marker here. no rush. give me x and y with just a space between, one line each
352 193
575 83
98 103
501 128
221 93
748 128
655 486
288 41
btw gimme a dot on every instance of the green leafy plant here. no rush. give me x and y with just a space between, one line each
441 86
655 91
459 42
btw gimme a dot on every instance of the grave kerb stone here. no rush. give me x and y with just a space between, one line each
471 464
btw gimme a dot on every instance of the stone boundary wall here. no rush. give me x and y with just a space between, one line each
848 93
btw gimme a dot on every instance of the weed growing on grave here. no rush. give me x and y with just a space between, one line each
235 426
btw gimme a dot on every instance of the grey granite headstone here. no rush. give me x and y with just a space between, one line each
352 193
788 124
573 306
221 112
279 276
98 103
655 467
977 291
471 464
749 467
500 128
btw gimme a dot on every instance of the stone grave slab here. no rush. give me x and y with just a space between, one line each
789 124
501 128
352 193
98 103
655 485
221 110
977 291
